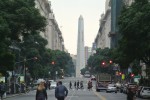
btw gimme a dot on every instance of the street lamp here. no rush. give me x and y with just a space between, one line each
25 68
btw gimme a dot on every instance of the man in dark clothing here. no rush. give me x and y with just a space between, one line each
70 85
78 85
2 89
61 91
75 84
130 94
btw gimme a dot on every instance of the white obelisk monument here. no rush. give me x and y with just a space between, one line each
80 62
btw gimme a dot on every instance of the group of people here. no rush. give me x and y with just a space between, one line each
77 85
61 91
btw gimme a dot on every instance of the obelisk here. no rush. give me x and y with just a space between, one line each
80 62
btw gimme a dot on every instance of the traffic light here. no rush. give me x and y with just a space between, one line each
132 75
103 63
120 73
53 63
110 61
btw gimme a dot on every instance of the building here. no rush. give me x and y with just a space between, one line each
115 12
52 32
102 39
80 64
74 58
88 52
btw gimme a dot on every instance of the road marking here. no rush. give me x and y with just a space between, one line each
100 96
72 95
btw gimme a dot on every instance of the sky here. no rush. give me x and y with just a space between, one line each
67 13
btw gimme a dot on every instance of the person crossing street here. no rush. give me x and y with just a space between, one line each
61 91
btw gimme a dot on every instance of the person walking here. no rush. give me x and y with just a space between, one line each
41 93
90 85
61 91
81 85
70 85
2 89
130 94
75 84
78 83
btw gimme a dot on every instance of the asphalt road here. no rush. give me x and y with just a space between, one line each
83 94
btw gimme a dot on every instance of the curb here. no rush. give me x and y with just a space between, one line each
13 95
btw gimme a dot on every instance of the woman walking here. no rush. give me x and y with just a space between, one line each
41 93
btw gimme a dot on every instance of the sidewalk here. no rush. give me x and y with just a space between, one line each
12 95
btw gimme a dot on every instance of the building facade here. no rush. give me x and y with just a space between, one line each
52 31
102 39
88 53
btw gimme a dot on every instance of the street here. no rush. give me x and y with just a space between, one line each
81 94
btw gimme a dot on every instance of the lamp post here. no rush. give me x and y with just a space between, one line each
25 68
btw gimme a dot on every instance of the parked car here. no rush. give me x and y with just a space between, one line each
111 88
145 92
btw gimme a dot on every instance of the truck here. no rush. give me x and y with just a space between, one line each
102 80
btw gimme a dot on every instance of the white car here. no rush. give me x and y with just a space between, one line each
53 85
145 92
111 88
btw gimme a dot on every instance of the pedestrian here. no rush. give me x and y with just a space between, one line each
81 85
75 84
2 89
41 93
61 91
78 83
70 85
90 85
130 94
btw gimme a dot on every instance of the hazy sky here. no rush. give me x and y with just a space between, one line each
67 13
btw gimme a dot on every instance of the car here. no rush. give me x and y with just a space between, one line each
87 75
100 86
93 77
111 88
51 80
53 85
133 86
145 92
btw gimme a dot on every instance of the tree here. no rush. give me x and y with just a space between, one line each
134 26
18 18
100 62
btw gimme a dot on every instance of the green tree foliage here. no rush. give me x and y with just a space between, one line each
101 56
134 26
17 18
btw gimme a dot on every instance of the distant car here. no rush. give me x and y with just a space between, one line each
100 86
93 77
51 81
87 75
53 85
145 92
111 88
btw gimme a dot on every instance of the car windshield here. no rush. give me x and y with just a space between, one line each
147 88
